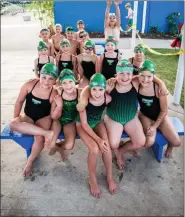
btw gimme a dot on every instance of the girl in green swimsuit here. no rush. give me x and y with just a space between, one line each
93 133
66 102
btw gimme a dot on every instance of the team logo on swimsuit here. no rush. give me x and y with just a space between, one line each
64 64
148 102
110 62
36 102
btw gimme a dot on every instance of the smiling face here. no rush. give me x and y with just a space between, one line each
80 26
124 78
44 35
112 20
58 29
47 81
146 78
97 93
43 52
69 35
139 55
110 47
68 85
88 50
65 48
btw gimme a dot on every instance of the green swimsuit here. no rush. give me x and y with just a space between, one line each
123 107
94 114
69 111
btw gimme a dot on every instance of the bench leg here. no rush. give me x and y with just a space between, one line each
158 151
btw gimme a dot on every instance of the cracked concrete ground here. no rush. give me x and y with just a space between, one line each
56 188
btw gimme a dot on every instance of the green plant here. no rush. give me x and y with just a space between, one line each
154 29
44 11
172 23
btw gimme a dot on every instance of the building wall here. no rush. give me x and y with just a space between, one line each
93 12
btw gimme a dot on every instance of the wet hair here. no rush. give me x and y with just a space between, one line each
58 25
44 30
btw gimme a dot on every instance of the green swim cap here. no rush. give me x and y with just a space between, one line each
66 74
111 39
147 66
97 80
49 69
65 42
140 48
42 45
89 43
124 66
69 29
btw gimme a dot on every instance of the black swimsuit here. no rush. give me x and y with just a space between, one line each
37 108
88 69
149 105
40 65
109 66
136 69
63 64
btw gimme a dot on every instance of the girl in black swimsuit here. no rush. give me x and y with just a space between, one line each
154 109
66 60
43 58
138 59
88 64
40 106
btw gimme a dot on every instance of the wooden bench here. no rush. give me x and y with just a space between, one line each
26 141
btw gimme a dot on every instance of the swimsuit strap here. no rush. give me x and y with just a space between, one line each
34 86
154 88
48 59
38 60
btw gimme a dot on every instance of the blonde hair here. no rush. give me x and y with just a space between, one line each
58 25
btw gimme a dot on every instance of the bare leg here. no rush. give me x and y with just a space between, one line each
24 124
169 132
38 145
107 158
70 136
56 128
114 131
135 131
146 122
92 159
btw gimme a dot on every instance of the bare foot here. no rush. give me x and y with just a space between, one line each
94 188
168 152
48 137
120 159
136 153
63 153
112 186
52 151
28 169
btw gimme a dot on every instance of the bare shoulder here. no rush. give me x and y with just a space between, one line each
79 57
29 84
108 98
157 90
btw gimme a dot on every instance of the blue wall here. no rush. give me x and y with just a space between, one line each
93 12
157 11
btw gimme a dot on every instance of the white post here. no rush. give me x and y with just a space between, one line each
179 76
133 41
144 16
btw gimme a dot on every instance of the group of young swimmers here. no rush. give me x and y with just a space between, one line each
79 93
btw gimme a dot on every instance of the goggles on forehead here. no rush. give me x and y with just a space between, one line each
82 36
88 48
112 15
